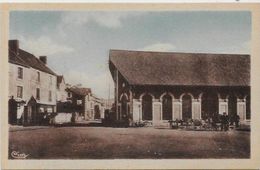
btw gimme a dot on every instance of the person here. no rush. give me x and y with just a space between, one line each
237 118
73 117
12 106
224 121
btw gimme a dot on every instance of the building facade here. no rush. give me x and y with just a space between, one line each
31 83
61 89
85 103
157 87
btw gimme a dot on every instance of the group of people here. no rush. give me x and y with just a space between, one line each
225 120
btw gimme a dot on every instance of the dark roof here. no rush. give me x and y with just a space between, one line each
13 58
170 68
82 91
28 60
34 62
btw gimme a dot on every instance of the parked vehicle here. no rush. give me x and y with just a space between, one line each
62 118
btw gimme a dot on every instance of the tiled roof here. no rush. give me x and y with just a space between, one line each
13 58
28 60
169 68
34 62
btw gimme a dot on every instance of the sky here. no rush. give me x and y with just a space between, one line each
77 43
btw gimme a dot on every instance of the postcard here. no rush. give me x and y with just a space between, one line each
130 86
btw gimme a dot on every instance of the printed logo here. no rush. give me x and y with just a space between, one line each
18 155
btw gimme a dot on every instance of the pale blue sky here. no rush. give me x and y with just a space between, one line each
77 43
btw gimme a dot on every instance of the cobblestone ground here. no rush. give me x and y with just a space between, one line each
109 143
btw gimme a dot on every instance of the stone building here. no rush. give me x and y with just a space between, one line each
78 97
162 86
63 104
31 83
98 106
85 103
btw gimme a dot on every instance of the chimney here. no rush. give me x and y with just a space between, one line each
43 59
14 46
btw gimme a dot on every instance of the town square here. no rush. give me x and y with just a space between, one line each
129 85
128 143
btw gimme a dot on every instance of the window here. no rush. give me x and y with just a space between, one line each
50 80
49 110
19 91
50 96
38 77
38 94
79 102
20 72
69 94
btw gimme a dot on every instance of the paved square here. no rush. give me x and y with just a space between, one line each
109 143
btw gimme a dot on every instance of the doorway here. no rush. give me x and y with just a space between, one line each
186 107
147 105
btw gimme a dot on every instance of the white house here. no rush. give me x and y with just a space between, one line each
31 83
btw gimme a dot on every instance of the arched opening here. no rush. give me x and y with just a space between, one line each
167 107
124 106
209 105
97 112
186 107
232 105
248 107
147 110
31 114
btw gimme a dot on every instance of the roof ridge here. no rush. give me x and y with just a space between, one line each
173 52
24 63
43 67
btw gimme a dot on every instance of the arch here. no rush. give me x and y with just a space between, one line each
166 93
97 112
186 106
147 107
200 95
145 93
239 96
123 94
181 96
124 107
227 97
219 96
167 107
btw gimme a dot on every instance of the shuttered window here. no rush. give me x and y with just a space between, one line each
20 72
19 91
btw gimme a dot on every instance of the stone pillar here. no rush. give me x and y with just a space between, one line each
130 103
176 109
137 110
241 109
116 93
196 109
223 106
157 111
